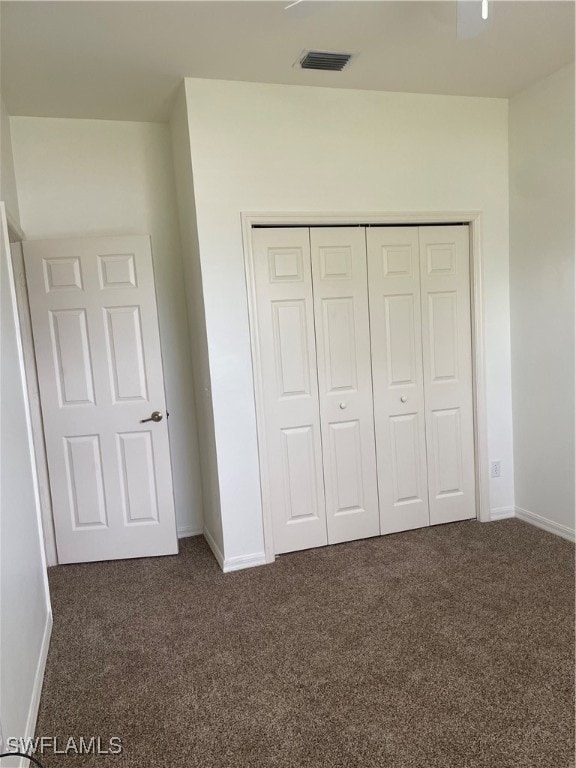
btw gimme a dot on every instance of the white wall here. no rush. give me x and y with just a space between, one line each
542 299
96 177
25 616
283 148
197 322
8 191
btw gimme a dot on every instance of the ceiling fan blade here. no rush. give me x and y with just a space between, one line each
469 21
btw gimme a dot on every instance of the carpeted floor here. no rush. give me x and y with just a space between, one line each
449 647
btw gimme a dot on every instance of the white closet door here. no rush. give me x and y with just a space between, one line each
345 381
446 331
394 287
292 454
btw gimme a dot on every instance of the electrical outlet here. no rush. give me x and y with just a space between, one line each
495 469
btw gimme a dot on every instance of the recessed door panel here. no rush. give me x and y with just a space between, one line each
71 353
406 445
62 274
299 462
401 344
335 262
396 347
447 355
340 344
398 260
117 270
443 327
97 346
291 347
126 353
286 264
345 382
447 442
441 258
136 455
290 440
346 450
85 481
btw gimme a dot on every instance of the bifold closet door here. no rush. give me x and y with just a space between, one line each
291 456
339 283
396 340
422 368
447 355
364 347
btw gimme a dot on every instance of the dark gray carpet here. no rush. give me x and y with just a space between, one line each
450 647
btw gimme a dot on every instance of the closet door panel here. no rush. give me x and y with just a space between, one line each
396 342
344 376
287 349
446 329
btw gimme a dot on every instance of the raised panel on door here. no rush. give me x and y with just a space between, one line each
396 348
139 494
72 358
85 481
447 355
95 327
300 471
291 453
345 382
125 348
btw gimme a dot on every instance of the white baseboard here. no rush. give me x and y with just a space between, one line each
501 513
547 525
244 561
37 689
214 547
189 530
233 563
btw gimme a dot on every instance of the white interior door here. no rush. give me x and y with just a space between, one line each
95 327
291 455
339 282
396 340
447 348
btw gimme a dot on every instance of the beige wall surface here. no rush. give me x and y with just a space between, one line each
542 299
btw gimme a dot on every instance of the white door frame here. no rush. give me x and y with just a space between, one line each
17 237
415 218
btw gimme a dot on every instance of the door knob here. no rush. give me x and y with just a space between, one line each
154 416
403 399
343 406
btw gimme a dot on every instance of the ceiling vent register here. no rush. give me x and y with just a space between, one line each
325 61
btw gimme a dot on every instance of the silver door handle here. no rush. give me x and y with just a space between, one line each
155 416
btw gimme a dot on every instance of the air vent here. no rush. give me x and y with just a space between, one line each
324 60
